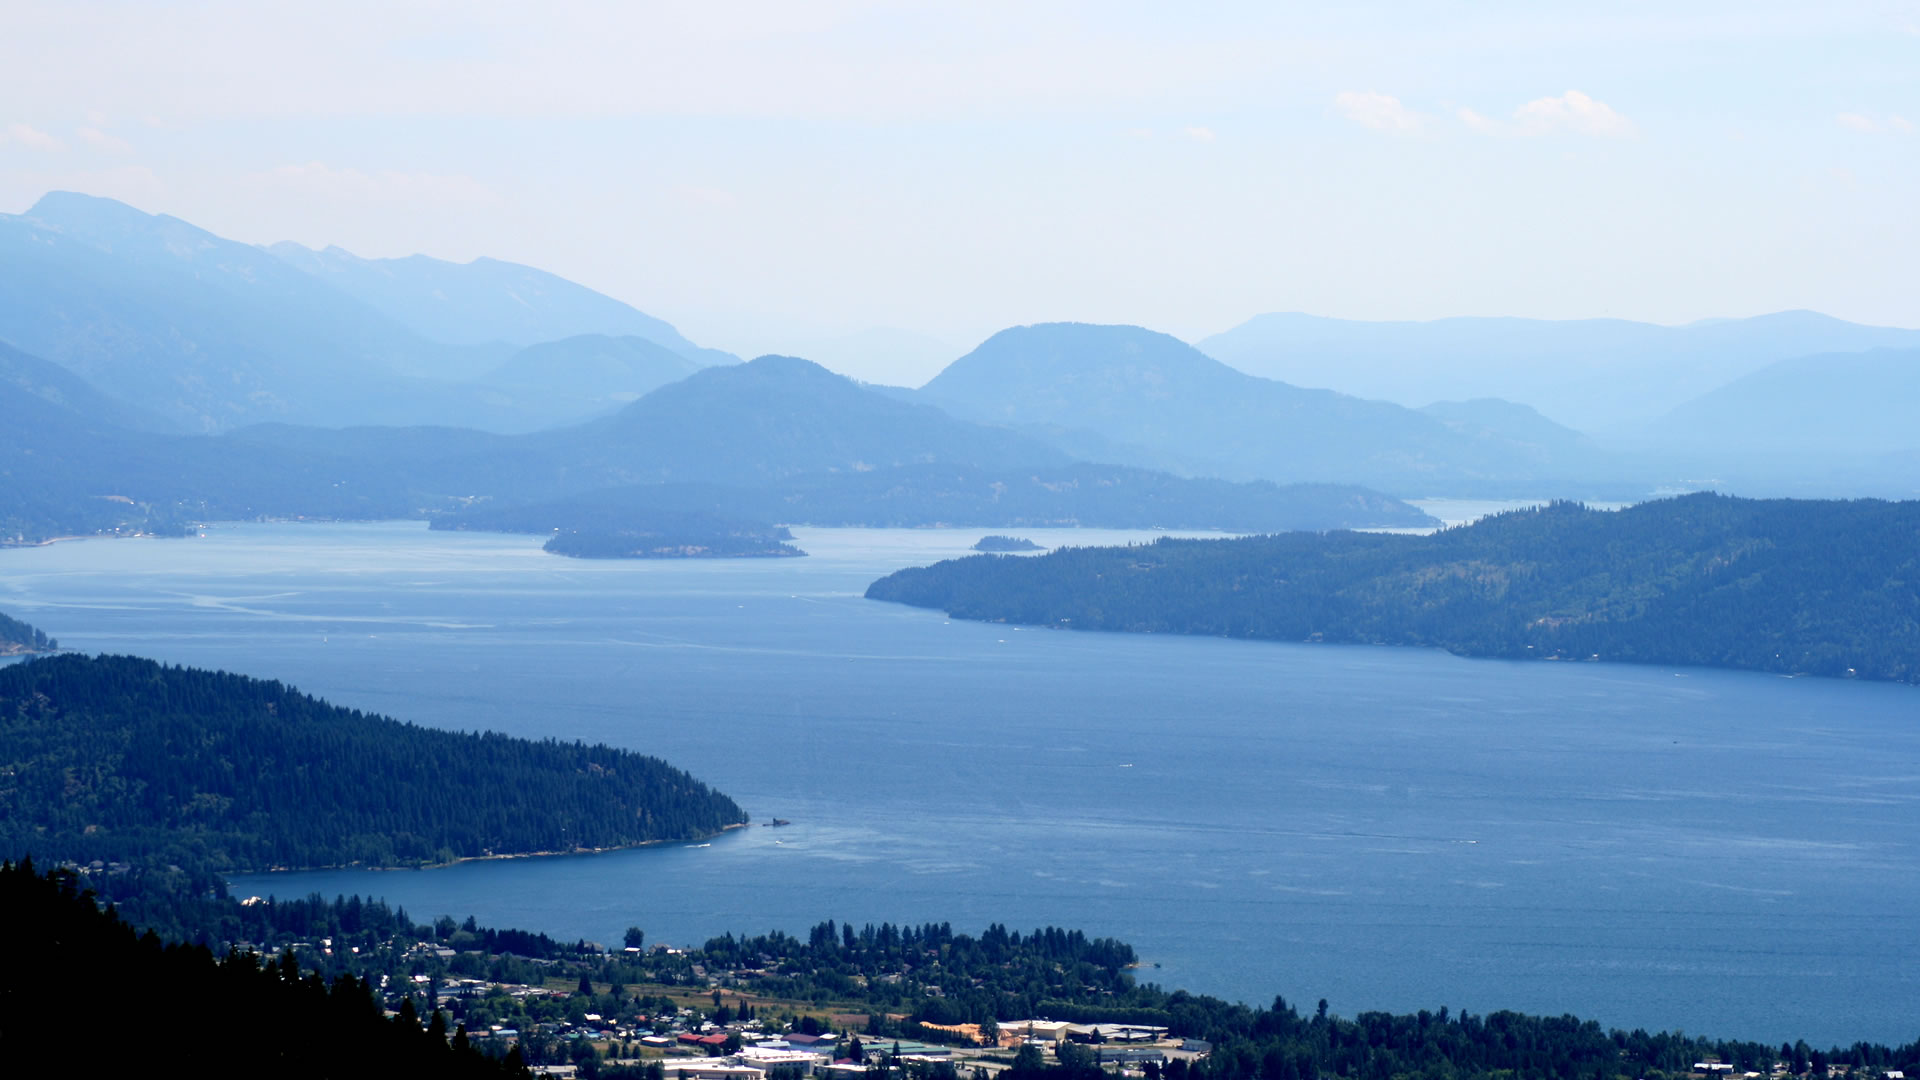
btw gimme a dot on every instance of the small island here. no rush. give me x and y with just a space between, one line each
751 542
1001 544
621 526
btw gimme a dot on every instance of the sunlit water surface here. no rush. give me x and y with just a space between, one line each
1387 828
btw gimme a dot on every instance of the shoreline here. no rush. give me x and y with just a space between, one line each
722 831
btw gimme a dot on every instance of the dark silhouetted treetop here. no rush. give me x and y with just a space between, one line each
234 1016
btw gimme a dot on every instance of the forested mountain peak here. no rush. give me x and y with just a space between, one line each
1069 364
780 415
1167 405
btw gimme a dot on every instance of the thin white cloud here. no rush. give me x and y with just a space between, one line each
100 140
32 138
1200 134
1476 122
1381 112
1573 112
1894 124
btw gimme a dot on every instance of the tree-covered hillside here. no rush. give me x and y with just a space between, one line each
1819 587
17 637
118 758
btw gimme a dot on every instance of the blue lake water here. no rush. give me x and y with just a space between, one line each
1726 853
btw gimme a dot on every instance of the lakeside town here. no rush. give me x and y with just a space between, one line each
697 1020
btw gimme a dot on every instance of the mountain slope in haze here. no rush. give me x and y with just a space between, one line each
1152 393
778 416
485 301
777 439
576 377
1595 375
208 335
1822 587
1513 424
1860 404
207 332
67 473
29 375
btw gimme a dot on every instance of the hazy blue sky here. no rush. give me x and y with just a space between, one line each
763 173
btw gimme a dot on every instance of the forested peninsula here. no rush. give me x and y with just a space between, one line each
120 759
17 637
1788 586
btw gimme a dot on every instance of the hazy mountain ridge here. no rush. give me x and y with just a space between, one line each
1863 403
58 387
485 301
1164 404
778 416
212 334
778 439
1595 375
206 331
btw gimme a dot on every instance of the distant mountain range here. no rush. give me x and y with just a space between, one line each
1596 375
426 380
208 334
777 440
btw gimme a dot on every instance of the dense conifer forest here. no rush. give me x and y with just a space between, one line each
1787 586
17 637
115 758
